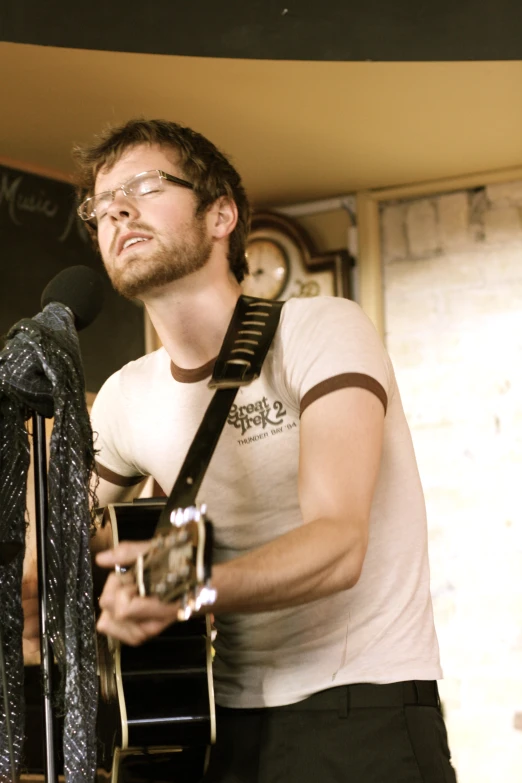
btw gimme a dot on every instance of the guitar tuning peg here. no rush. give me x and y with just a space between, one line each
205 596
185 610
181 516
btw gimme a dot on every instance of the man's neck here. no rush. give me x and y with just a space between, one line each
191 317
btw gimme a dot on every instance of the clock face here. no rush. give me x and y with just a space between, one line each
269 267
283 261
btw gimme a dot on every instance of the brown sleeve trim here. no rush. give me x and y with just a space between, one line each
115 478
343 381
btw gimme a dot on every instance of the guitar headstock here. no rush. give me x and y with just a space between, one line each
177 566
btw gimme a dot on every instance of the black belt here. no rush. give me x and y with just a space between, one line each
421 693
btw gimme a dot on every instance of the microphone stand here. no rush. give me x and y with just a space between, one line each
42 519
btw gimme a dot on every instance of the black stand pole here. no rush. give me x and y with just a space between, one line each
6 708
42 517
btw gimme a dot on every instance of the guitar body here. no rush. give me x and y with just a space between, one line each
156 718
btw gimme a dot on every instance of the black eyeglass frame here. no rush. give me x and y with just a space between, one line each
162 174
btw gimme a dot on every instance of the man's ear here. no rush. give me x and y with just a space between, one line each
223 217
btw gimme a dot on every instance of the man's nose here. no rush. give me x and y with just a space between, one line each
122 207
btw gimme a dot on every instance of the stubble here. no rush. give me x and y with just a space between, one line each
142 273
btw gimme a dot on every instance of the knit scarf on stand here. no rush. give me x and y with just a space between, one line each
41 365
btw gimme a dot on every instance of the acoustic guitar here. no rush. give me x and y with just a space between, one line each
156 714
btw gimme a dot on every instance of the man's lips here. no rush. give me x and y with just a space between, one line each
130 235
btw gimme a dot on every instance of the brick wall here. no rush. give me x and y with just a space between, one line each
453 309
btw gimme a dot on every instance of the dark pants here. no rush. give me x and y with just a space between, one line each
350 734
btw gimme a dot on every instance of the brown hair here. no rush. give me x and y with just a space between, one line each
200 161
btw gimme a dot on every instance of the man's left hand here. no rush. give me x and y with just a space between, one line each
124 614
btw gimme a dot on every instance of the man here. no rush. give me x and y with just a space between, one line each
326 653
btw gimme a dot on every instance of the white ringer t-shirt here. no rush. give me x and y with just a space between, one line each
379 631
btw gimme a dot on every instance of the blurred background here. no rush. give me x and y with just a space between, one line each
387 141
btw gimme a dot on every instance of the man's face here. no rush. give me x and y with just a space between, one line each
173 241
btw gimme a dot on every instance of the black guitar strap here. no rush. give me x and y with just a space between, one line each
248 338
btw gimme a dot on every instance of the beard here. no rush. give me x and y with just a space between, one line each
142 273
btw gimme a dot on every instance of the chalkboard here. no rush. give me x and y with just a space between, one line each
40 235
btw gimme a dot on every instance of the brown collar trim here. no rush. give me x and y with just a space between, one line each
192 376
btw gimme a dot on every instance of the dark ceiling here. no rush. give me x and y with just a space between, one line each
375 30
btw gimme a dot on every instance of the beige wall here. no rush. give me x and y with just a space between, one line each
328 230
452 270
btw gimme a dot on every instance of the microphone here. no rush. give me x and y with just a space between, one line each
77 289
80 289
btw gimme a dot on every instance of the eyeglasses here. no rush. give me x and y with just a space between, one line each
96 207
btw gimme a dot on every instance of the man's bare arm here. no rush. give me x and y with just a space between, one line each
340 452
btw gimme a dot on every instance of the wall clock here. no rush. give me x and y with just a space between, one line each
284 262
269 266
